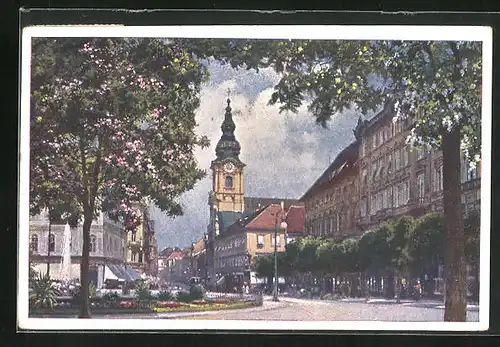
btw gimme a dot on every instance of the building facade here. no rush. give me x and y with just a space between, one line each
47 244
255 235
141 247
378 177
233 233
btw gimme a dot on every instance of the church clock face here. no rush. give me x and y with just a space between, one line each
229 167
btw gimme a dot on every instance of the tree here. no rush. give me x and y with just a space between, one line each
112 125
264 267
399 245
426 244
437 89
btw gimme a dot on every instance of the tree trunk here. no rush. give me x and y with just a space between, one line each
48 245
84 268
455 265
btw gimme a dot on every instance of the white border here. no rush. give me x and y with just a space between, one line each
462 33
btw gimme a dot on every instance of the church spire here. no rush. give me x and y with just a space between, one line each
228 146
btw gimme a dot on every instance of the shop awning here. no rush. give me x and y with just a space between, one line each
121 272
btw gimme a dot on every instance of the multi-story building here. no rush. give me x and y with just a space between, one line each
141 248
378 177
107 248
330 203
162 258
255 235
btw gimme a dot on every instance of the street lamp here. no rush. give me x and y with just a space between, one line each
283 225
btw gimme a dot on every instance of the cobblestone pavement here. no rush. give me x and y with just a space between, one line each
310 310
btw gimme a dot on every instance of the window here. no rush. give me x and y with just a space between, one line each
396 195
277 240
134 256
381 167
397 160
420 153
260 241
406 192
468 173
372 205
134 236
384 199
389 197
92 243
229 182
383 136
421 186
364 174
52 242
140 257
405 156
437 184
389 164
34 243
363 207
374 141
374 171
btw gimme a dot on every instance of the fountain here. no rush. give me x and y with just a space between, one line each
66 254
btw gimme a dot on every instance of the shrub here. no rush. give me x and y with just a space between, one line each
196 292
183 297
44 292
144 297
165 296
111 299
75 293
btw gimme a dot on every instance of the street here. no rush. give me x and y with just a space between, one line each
289 309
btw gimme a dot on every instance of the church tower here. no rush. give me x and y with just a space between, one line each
227 169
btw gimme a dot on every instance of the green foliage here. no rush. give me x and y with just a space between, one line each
143 295
165 296
472 233
44 293
76 292
196 292
263 266
426 242
112 299
183 297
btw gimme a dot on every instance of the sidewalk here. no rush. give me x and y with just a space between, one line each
424 303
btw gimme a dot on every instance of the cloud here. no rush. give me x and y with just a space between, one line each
284 152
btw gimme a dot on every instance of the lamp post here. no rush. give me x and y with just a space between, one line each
283 225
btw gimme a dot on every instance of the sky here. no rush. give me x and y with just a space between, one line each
284 153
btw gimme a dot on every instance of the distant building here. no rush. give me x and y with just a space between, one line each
378 177
233 235
47 242
141 250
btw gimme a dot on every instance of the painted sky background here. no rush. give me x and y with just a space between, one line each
284 153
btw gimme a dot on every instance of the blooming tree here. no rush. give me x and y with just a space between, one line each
112 124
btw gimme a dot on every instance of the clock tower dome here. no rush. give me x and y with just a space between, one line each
227 169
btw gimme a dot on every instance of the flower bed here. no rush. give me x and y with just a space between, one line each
169 304
208 307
